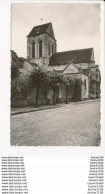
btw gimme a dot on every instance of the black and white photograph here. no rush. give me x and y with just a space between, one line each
55 74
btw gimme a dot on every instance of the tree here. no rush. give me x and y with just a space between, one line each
46 85
38 78
14 66
20 86
19 78
15 72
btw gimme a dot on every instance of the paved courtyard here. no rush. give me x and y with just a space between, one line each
69 125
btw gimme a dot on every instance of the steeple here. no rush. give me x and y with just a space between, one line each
41 44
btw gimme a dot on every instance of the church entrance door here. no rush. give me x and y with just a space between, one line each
77 93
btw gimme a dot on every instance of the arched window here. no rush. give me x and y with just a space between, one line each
52 49
85 83
33 49
49 48
40 48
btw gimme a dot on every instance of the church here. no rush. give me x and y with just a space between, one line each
42 51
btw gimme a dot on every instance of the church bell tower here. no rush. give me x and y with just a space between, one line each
41 44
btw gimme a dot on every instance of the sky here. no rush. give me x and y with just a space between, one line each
75 25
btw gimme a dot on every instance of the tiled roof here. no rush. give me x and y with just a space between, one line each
38 30
74 56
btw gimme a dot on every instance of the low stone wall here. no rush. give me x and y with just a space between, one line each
19 103
63 100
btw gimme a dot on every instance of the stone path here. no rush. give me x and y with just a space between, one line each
69 125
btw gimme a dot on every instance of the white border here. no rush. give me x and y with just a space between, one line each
5 148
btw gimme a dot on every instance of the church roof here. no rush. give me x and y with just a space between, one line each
74 56
40 29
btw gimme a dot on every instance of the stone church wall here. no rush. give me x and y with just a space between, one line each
92 72
85 86
62 94
85 65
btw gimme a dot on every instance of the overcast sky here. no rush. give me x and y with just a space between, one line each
76 25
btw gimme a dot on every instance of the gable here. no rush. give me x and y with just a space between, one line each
59 68
29 65
50 31
70 69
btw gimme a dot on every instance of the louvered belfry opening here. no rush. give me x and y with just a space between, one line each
49 48
40 48
33 49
